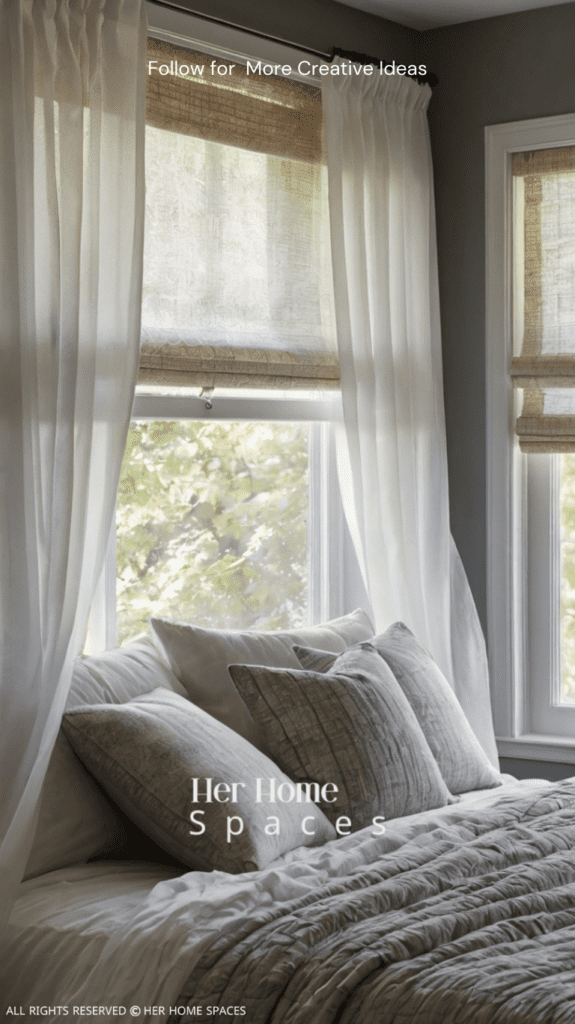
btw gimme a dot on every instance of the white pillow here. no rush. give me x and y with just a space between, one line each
76 821
200 658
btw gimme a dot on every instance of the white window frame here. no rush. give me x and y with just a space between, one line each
335 585
521 490
334 581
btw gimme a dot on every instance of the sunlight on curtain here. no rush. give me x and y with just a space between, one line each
72 102
394 478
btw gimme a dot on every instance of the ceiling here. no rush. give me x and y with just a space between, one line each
422 14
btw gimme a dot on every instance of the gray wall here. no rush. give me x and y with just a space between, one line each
522 768
315 24
500 69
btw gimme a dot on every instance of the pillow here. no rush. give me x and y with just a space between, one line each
147 754
351 726
76 821
317 661
200 658
461 759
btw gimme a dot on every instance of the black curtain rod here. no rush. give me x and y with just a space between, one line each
358 58
363 58
173 4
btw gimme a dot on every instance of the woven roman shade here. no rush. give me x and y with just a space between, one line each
237 268
544 288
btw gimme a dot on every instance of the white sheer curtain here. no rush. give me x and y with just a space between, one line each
72 114
387 310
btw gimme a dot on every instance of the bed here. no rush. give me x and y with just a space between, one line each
461 912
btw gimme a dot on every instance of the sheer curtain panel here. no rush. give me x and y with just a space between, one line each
387 311
72 114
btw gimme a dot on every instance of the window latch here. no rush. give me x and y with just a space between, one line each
207 394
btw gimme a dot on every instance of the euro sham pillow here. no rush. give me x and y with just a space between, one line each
352 727
200 657
461 758
148 752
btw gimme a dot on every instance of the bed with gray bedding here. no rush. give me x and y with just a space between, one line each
473 922
455 913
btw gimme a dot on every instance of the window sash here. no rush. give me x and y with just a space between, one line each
509 531
331 560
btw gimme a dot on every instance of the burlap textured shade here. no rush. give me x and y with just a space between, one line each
214 366
279 116
544 258
237 274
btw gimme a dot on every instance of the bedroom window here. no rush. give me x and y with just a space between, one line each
531 433
237 287
238 354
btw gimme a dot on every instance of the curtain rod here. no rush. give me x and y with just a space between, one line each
363 58
358 58
173 4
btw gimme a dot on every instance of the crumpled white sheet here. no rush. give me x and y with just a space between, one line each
119 934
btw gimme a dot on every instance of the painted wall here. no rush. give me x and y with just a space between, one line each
315 24
522 768
501 69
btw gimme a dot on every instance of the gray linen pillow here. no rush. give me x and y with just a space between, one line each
461 758
351 726
147 753
200 658
76 821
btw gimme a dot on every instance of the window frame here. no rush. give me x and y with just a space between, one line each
335 583
518 500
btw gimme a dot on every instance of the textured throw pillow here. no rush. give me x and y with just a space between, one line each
147 754
317 661
461 759
351 726
76 821
200 658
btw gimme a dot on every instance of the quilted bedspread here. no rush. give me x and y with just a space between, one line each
471 922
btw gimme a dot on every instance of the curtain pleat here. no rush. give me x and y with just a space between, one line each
387 308
72 116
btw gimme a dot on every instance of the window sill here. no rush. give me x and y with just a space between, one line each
537 747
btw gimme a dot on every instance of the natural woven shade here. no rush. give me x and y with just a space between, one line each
237 264
278 116
544 194
211 366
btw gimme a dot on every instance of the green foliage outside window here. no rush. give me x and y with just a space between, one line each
211 525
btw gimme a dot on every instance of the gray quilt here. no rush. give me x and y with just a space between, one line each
472 922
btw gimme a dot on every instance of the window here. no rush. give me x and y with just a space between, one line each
228 508
212 524
531 480
237 268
